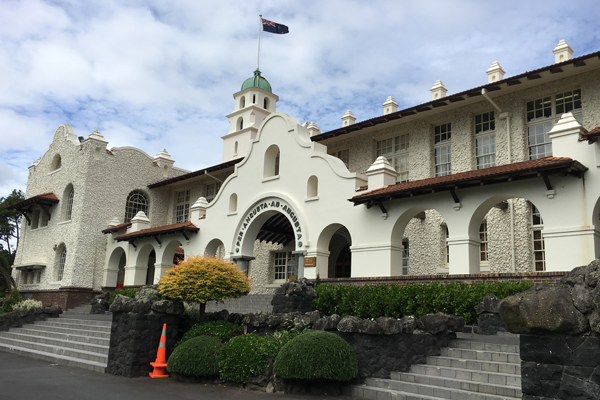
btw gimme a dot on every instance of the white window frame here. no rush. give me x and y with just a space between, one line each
405 256
60 267
134 205
484 248
181 211
396 149
211 190
442 149
281 271
541 114
485 140
539 253
69 210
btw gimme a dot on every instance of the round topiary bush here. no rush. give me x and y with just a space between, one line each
220 329
243 357
317 355
196 357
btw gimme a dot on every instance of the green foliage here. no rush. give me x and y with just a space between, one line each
197 356
222 330
123 292
414 299
28 304
9 301
243 357
10 220
6 280
317 355
273 342
201 279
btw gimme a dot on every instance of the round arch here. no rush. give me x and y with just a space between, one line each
143 270
169 252
115 270
215 248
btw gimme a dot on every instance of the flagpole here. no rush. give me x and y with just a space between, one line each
259 31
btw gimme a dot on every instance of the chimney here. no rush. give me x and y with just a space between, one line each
438 90
313 129
348 118
495 72
562 52
390 106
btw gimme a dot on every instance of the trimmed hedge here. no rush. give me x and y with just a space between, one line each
123 292
244 357
222 330
317 355
197 356
397 301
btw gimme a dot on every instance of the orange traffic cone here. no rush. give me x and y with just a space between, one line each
160 365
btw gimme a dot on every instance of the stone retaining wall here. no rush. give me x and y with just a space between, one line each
243 305
17 318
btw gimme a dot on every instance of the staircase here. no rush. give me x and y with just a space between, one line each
79 343
475 369
80 309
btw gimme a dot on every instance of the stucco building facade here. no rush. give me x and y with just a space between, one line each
499 178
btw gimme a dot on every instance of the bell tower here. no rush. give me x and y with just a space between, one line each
252 105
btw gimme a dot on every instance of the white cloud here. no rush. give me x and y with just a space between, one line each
159 75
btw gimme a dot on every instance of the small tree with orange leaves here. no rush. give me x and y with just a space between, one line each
201 279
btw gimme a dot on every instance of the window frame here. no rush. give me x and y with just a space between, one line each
442 142
405 256
343 155
181 209
485 139
281 259
132 208
396 150
537 226
60 265
211 190
542 114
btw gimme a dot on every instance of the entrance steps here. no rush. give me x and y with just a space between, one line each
80 309
75 342
465 370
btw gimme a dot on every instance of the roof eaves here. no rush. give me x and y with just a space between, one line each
194 174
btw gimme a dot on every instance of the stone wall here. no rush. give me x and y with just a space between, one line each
64 297
17 318
251 303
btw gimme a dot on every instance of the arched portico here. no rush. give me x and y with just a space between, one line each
215 248
137 273
114 273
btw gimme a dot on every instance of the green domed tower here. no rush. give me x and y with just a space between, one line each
253 103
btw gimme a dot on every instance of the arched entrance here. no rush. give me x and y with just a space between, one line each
334 257
215 248
114 274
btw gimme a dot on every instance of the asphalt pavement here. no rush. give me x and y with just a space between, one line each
28 378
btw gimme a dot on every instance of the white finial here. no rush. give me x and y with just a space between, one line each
438 90
390 106
114 222
348 118
495 72
562 52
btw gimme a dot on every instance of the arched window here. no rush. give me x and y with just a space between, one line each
68 197
56 163
60 264
240 123
253 99
235 148
242 102
271 167
312 187
233 203
266 103
136 202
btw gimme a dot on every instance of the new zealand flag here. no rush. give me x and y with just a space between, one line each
273 27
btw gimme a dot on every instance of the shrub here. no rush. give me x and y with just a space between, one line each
28 304
123 292
273 342
222 330
317 355
9 301
414 299
201 279
243 357
197 356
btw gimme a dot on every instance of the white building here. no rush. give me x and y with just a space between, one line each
499 178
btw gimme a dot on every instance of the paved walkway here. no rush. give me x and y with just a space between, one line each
27 378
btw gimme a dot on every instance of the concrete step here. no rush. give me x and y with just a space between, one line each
75 325
55 358
69 331
30 330
469 345
58 350
455 378
100 322
58 342
480 355
380 393
80 309
474 365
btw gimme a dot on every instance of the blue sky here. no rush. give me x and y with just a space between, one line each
156 74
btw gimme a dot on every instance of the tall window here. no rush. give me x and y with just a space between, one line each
483 246
485 140
442 149
539 249
285 265
543 113
343 155
396 151
405 257
69 206
136 202
182 206
60 268
211 190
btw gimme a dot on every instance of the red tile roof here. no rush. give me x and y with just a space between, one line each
490 87
592 135
116 228
45 198
499 174
160 230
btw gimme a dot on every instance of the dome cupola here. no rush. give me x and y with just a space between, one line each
257 81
